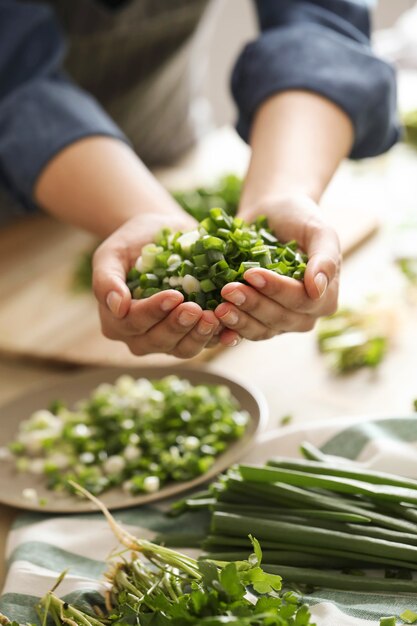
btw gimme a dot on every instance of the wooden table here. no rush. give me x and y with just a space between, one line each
288 369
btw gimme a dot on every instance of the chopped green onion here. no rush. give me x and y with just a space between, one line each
409 617
137 434
353 339
220 251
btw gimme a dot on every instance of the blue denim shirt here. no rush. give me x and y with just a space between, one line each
319 45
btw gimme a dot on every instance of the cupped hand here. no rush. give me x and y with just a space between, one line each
161 323
270 304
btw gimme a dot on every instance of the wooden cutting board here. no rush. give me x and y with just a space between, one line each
40 315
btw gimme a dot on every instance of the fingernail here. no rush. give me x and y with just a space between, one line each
321 282
205 328
235 342
257 280
230 317
168 304
186 318
236 296
114 300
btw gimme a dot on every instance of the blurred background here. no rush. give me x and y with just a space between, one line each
236 24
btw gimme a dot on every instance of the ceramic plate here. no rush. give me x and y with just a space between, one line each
79 386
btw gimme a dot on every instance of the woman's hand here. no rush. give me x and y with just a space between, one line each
98 183
161 323
272 304
298 139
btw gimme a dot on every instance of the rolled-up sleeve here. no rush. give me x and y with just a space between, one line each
41 110
320 46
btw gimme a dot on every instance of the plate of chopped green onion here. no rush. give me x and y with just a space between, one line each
130 436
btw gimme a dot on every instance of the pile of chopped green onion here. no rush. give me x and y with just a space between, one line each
138 434
321 523
352 339
201 262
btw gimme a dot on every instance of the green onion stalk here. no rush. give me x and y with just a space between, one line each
321 522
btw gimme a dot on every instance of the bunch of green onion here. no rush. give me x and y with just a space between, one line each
321 523
201 262
138 434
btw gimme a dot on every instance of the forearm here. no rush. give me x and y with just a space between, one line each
99 183
298 139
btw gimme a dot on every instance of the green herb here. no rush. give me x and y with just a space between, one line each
286 420
353 339
387 621
139 434
200 263
159 586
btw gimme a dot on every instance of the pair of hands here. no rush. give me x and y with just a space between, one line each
268 305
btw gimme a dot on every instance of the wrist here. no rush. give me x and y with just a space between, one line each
298 139
260 190
174 218
99 184
271 203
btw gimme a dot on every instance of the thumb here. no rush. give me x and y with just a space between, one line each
324 258
109 281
